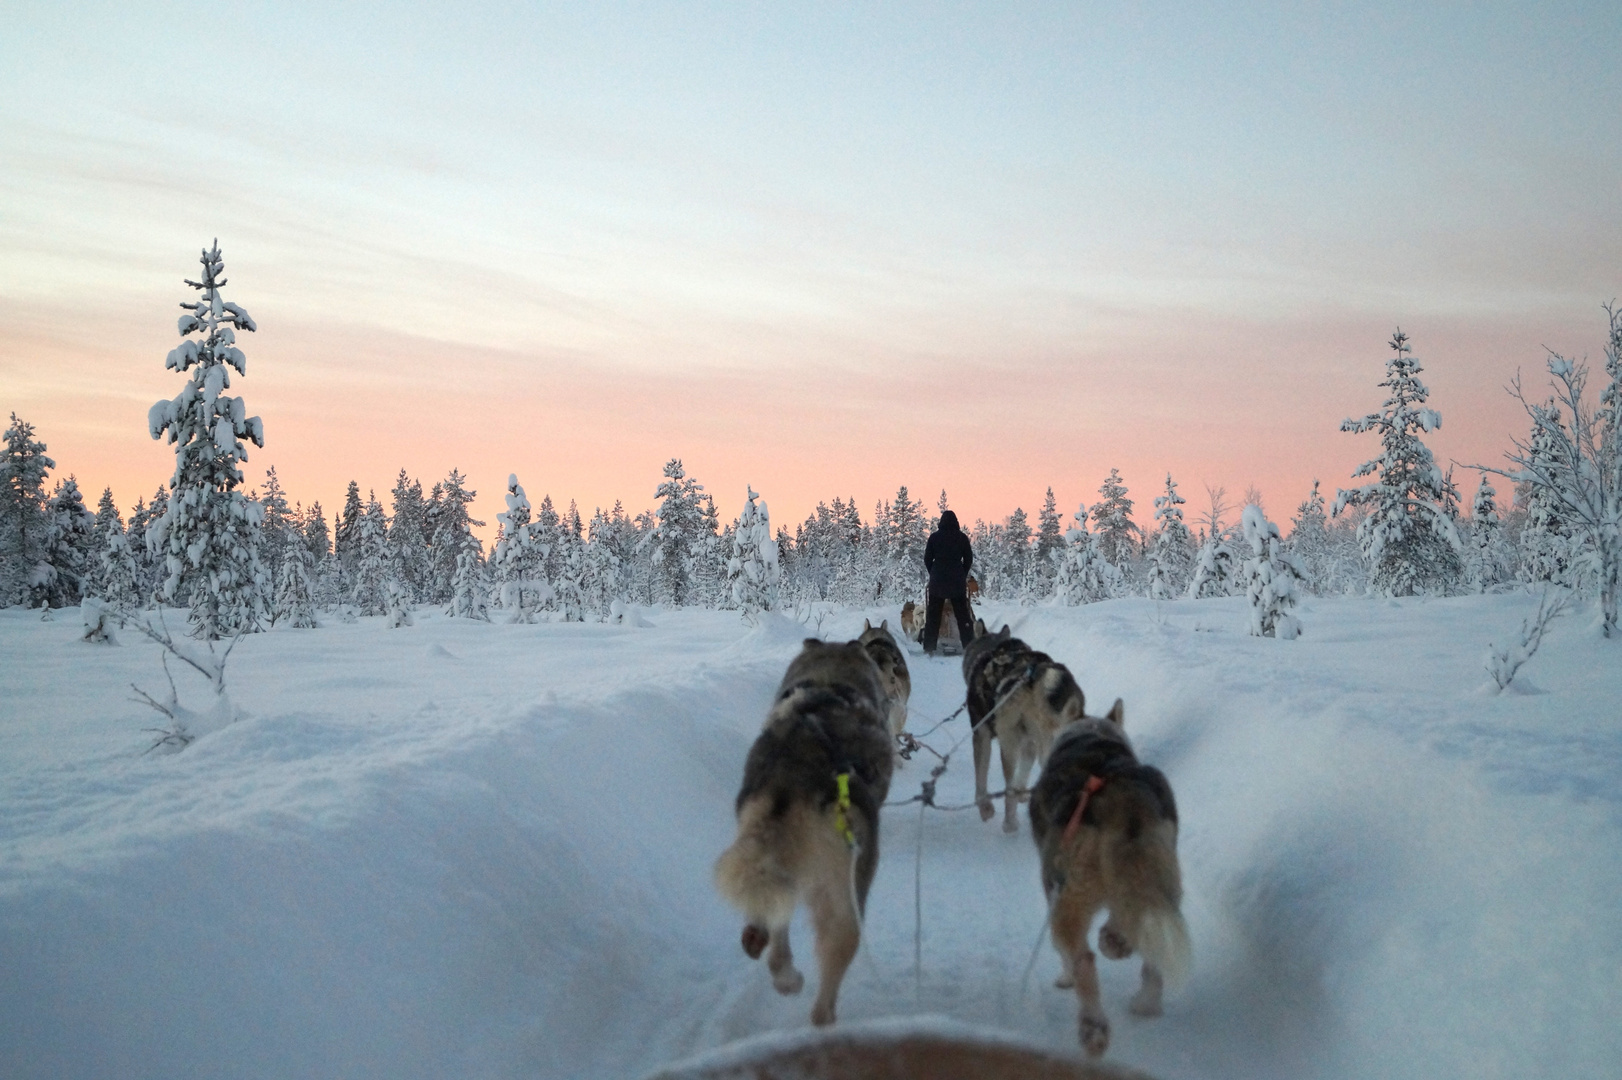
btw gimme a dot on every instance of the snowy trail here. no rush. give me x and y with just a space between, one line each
467 850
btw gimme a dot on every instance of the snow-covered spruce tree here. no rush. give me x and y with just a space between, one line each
451 527
1016 556
369 591
1112 520
672 542
1216 570
70 548
603 585
23 521
1491 561
313 531
1084 574
1171 554
520 558
1272 578
277 530
1580 467
408 538
210 532
752 572
1309 541
295 596
1407 539
108 520
469 587
346 534
1547 548
572 572
119 581
1049 541
398 604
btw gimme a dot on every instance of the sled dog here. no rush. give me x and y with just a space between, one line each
1106 828
808 815
914 614
892 665
1039 696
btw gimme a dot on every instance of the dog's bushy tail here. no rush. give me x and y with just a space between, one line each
751 874
1142 858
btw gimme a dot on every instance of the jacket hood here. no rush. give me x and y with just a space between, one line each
949 521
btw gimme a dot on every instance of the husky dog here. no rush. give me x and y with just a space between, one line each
892 665
912 620
808 815
1106 828
1039 696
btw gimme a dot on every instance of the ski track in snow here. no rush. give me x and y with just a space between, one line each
468 850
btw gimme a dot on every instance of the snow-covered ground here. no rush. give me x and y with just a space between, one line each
466 850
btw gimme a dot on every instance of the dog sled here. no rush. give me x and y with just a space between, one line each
949 642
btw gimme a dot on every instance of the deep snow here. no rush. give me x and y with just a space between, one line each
458 849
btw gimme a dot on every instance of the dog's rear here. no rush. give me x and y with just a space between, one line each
1106 828
808 815
1035 710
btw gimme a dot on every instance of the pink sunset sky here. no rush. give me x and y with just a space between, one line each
819 254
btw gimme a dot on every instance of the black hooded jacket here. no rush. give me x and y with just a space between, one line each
948 557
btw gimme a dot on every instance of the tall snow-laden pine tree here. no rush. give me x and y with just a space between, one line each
277 532
1547 547
23 521
108 521
1272 578
120 580
210 532
1309 541
1112 520
904 578
1407 539
295 597
752 571
408 537
603 580
70 548
451 528
469 589
1049 540
1172 552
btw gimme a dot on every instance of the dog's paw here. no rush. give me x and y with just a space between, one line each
1146 1002
788 981
1113 944
1010 825
754 941
822 1015
1065 981
987 811
1094 1033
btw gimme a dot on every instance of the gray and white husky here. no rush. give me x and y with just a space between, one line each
1038 697
1106 829
892 665
808 815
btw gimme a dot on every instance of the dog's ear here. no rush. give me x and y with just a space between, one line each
1117 714
867 624
884 624
1006 632
812 643
979 627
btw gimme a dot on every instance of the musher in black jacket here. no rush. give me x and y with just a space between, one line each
948 558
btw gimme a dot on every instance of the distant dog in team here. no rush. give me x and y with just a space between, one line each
808 815
1106 828
915 615
892 665
1038 697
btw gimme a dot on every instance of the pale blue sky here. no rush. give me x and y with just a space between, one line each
1038 191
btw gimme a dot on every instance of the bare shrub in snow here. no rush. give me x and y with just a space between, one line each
1502 664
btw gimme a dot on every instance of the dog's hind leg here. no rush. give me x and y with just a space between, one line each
1073 912
838 937
982 766
1146 1002
780 962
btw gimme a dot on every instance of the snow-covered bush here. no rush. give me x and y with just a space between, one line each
469 591
1408 538
1272 578
1491 561
295 600
1502 664
1216 570
210 531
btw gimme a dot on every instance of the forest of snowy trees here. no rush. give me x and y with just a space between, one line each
243 558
